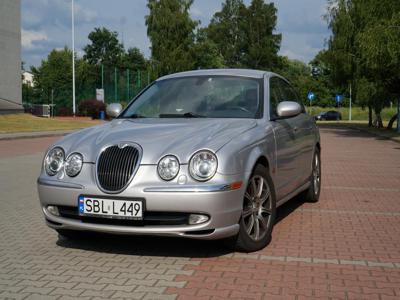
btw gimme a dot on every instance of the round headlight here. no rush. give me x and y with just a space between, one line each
54 161
203 165
168 167
73 165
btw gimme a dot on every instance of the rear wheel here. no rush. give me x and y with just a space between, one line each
259 211
313 192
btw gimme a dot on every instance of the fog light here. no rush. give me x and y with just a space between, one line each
197 219
53 210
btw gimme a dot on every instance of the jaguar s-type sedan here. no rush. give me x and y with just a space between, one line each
206 154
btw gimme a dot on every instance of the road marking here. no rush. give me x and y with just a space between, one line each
351 212
316 260
354 188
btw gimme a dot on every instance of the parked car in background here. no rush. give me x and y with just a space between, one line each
206 154
330 115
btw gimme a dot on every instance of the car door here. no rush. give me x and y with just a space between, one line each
285 142
304 137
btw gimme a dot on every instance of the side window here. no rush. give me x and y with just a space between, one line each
287 91
289 94
275 96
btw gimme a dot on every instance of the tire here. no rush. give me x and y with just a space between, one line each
313 192
259 212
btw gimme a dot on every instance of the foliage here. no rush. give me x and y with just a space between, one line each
364 50
104 48
133 59
357 113
244 35
205 52
91 108
171 32
53 79
226 31
299 75
261 45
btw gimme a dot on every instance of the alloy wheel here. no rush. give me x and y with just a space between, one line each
316 175
257 208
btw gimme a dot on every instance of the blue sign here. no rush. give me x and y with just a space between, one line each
311 96
339 98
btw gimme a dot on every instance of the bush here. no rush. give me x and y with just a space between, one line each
91 108
64 112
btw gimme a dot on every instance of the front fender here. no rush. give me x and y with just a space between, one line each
241 154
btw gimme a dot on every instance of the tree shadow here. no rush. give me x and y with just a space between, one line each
349 132
158 245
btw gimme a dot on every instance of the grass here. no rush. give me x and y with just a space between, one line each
357 113
28 123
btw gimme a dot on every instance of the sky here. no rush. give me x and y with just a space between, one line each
46 24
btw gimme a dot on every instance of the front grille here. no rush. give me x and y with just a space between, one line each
116 166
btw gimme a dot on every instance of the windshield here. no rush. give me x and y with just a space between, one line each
200 96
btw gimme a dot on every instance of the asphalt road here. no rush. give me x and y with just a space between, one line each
347 246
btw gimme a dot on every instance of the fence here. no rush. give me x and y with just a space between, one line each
120 85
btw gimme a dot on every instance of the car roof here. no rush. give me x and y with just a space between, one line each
227 72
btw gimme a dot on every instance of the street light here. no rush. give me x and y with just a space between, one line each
73 58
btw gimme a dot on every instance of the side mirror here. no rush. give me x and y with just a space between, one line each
113 110
287 109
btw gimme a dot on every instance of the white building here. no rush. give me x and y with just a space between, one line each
27 78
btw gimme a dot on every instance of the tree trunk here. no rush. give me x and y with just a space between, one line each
378 121
391 122
369 116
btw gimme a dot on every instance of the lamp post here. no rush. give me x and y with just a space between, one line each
73 58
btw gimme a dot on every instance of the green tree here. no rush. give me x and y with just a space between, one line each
226 31
261 45
133 59
171 33
205 52
54 76
104 47
363 50
299 74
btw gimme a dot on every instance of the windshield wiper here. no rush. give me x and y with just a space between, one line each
134 116
184 115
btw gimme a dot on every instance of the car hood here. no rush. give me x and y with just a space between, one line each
157 137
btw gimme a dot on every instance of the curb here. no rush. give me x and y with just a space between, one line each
30 135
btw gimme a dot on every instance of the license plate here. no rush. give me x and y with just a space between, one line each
110 208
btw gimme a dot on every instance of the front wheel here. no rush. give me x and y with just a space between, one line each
259 211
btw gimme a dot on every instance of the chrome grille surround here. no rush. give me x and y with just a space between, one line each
116 166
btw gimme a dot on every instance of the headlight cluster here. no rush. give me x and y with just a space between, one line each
55 160
73 164
202 166
168 167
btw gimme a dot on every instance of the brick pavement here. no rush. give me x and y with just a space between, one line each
347 246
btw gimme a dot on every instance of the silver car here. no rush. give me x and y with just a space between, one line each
206 154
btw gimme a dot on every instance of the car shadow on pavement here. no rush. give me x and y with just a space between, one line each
160 246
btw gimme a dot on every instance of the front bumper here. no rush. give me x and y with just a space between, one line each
222 204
